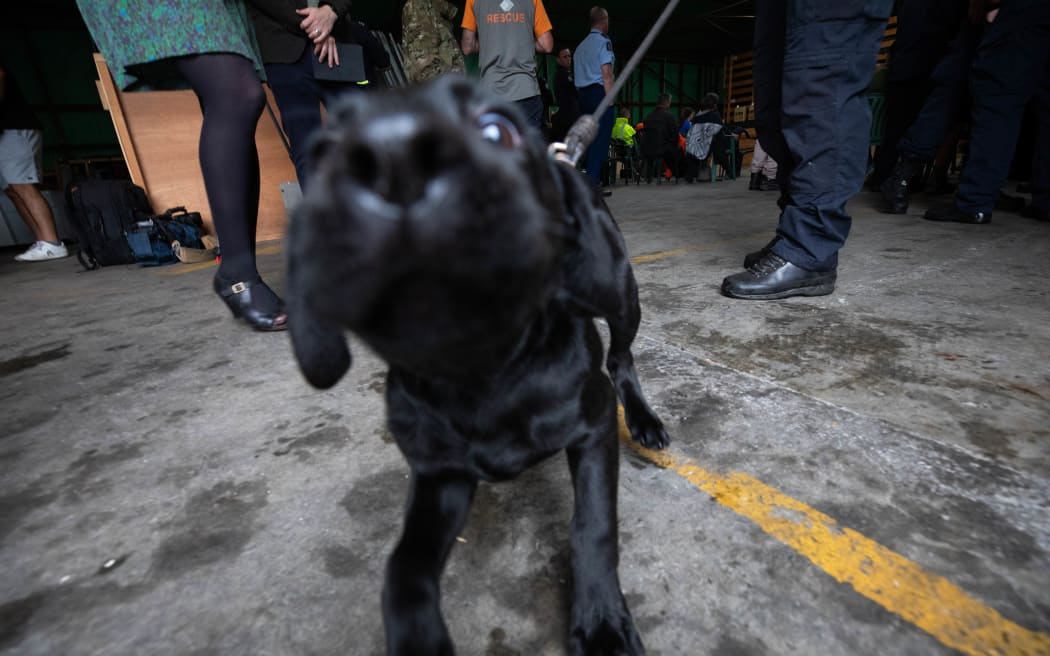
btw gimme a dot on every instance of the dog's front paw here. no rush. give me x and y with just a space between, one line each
422 635
412 617
422 645
647 429
603 634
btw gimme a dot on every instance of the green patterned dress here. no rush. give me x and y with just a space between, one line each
139 38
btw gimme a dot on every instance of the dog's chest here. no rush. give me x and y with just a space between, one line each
548 401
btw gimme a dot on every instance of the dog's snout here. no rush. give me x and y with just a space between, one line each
396 156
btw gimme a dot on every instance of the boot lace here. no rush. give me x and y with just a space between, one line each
767 265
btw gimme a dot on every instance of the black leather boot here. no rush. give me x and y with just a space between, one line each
895 187
756 181
752 258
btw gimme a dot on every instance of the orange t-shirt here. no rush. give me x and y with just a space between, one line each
541 23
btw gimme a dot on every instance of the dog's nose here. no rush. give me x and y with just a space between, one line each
397 155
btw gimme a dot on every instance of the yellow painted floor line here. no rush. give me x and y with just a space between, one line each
662 255
755 240
930 602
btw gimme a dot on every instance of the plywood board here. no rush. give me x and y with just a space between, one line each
162 131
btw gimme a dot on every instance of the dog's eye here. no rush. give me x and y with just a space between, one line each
499 130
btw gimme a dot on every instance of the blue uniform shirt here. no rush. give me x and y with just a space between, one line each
593 51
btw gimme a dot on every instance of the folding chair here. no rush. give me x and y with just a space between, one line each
626 156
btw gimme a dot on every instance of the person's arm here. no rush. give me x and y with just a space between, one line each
468 41
328 52
340 7
606 59
607 77
542 28
277 11
318 22
984 11
545 43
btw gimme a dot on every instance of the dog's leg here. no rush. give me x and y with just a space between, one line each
646 428
600 282
437 510
601 622
623 318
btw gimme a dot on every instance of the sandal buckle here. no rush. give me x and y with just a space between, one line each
238 287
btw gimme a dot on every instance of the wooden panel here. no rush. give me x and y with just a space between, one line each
163 131
107 91
740 87
888 37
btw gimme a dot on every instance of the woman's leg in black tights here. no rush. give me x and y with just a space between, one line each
232 100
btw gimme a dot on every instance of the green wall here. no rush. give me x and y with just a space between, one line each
687 82
57 75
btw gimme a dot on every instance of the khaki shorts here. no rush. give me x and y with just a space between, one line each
20 157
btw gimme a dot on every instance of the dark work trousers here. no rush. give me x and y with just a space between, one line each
946 104
1012 66
590 97
813 63
299 96
532 108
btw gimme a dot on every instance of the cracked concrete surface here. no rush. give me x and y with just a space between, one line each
170 485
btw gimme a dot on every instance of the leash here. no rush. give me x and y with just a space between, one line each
585 129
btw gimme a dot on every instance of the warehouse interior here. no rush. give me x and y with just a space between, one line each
861 473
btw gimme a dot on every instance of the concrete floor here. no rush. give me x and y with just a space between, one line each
863 473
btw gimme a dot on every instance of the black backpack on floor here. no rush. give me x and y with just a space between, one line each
103 213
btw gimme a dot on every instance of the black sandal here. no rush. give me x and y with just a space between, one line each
253 309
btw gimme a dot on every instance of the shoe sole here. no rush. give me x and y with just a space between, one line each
822 289
962 221
40 259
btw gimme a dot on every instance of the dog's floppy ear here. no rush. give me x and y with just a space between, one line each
598 275
320 348
319 344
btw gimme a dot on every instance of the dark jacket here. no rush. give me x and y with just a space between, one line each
925 29
567 99
281 41
565 95
710 116
661 133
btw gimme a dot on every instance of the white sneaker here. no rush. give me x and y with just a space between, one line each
43 250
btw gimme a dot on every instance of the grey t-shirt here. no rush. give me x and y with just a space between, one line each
507 32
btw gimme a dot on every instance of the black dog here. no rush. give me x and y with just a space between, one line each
439 231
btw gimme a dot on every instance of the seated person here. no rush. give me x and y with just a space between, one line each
708 136
661 135
685 121
709 110
622 129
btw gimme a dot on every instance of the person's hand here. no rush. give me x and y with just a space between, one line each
327 51
317 22
984 10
